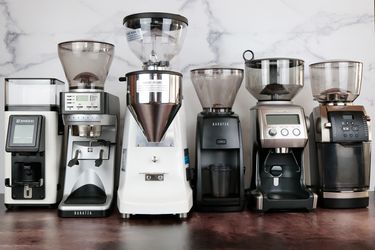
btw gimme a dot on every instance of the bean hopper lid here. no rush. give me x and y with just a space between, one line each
86 63
336 81
273 79
216 87
155 37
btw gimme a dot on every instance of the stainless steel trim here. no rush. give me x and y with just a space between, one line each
345 195
315 200
259 201
90 119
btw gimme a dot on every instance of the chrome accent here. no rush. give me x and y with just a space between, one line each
259 201
90 150
281 150
154 99
345 195
125 216
183 216
315 200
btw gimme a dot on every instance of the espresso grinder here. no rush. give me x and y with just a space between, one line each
91 117
219 155
279 133
340 148
34 136
154 176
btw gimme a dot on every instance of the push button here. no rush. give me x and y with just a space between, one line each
345 128
221 141
355 128
284 132
296 132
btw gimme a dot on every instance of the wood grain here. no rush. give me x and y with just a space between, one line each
323 229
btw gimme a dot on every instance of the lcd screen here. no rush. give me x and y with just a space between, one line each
23 134
82 98
348 117
282 119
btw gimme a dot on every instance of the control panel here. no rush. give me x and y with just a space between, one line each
25 133
348 126
82 102
282 126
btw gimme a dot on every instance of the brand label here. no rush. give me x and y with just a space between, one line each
80 213
134 35
220 124
24 121
152 86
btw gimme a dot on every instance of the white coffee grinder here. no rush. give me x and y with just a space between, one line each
33 132
154 176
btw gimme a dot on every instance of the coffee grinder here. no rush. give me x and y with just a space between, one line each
34 133
340 136
219 156
279 135
91 116
154 177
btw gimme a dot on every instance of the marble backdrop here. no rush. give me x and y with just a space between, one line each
218 33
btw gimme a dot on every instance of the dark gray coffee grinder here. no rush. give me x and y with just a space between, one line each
340 138
219 156
278 135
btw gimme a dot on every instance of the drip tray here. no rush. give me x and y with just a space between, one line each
87 194
288 196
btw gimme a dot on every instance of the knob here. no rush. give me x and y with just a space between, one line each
272 132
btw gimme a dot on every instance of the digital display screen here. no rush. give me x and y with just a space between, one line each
23 134
282 119
82 98
348 117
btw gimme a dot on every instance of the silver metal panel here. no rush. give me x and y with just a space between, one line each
90 152
345 195
268 139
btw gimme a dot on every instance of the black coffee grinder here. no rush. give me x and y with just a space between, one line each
340 138
219 156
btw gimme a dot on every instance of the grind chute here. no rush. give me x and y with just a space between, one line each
154 93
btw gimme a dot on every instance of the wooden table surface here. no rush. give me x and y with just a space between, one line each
323 229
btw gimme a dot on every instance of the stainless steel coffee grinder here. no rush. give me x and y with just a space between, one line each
279 134
91 117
